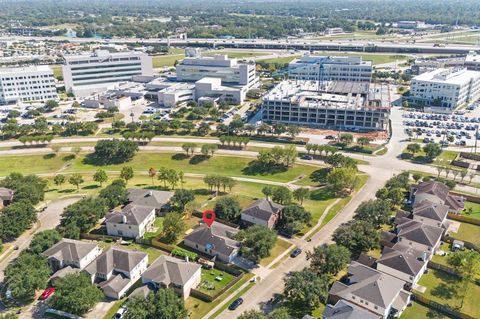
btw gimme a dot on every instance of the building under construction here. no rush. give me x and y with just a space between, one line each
329 104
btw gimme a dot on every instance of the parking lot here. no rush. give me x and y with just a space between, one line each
461 129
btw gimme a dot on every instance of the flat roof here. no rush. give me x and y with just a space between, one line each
448 76
26 69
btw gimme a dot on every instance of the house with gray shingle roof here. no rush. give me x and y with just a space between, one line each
216 241
403 262
171 272
116 270
368 288
433 214
347 310
151 198
262 212
132 222
73 253
418 235
6 197
436 192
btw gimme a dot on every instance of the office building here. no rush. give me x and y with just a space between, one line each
407 24
472 61
334 105
445 89
88 74
27 84
232 73
330 68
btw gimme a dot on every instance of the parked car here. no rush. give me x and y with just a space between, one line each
296 252
120 313
234 305
47 293
307 157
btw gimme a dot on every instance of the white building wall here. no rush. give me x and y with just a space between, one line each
90 257
401 275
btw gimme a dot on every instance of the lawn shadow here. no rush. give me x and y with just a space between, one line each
203 192
323 193
144 185
320 175
93 186
197 159
67 191
179 157
49 156
68 158
444 291
257 168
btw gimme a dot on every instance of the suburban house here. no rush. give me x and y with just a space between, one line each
372 290
433 214
132 222
418 235
171 272
262 212
71 253
403 262
216 241
151 198
436 192
347 310
6 196
116 270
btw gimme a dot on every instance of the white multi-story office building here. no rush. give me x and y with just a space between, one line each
35 83
301 102
472 61
445 88
87 74
232 73
330 68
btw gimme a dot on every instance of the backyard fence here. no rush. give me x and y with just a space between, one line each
465 219
442 308
209 298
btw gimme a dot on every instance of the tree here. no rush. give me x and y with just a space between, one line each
59 180
363 140
252 314
413 148
376 212
417 177
306 290
100 176
76 180
43 240
256 242
467 263
173 227
82 216
189 148
181 198
463 174
358 236
346 138
75 294
126 173
114 151
115 194
29 187
282 195
293 130
342 180
300 194
293 219
28 273
328 259
163 304
152 172
432 150
16 218
228 208
267 191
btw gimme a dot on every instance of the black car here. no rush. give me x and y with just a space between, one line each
234 305
296 252
307 157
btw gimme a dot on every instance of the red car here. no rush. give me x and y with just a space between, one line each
47 293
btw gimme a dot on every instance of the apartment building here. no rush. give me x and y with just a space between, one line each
27 84
88 74
335 105
330 68
445 88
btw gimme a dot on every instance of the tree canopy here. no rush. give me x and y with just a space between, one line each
163 304
257 242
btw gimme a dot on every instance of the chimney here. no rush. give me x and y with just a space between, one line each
124 219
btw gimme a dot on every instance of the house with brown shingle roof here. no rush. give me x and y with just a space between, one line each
71 253
418 235
132 222
6 197
436 192
430 213
262 212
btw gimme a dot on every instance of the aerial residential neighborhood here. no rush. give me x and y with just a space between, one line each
264 159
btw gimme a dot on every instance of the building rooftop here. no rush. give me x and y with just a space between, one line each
448 76
131 214
346 310
148 197
169 270
316 59
98 55
219 236
418 232
26 69
403 258
115 259
262 209
430 210
69 249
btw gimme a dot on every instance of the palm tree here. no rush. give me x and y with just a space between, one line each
152 172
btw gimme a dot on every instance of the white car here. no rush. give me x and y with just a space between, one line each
120 313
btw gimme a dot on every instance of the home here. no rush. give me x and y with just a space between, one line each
216 241
132 222
170 272
427 212
372 290
6 197
71 253
346 310
151 198
436 192
403 262
116 270
262 212
418 235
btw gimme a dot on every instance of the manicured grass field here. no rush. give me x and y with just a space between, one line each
158 224
468 232
281 60
57 70
280 246
209 278
160 61
475 210
31 164
236 54
445 289
418 311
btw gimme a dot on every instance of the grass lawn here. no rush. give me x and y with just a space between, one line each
214 280
468 232
442 260
280 246
475 208
445 289
168 59
197 309
158 225
236 54
238 295
418 311
31 164
282 60
57 70
443 159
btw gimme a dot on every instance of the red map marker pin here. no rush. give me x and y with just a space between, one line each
208 217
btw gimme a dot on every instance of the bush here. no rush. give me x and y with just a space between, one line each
180 252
